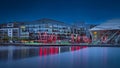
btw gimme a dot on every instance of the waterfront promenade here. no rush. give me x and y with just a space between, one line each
53 44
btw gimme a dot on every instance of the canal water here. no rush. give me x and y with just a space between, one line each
59 57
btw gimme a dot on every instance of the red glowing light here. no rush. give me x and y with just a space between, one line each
45 51
40 51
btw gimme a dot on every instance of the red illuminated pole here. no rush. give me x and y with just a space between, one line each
72 38
48 39
51 38
54 38
105 38
45 37
78 39
39 37
85 39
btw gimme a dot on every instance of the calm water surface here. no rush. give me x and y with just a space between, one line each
59 57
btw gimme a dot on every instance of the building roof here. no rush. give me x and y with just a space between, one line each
46 21
113 24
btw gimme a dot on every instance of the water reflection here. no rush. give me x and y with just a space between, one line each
59 57
15 53
4 55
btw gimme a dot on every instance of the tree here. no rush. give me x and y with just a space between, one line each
6 38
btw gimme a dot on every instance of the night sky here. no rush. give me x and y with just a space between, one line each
68 11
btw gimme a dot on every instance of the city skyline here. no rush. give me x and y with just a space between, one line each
90 11
59 33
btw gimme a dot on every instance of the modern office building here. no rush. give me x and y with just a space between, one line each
106 33
9 31
49 26
34 29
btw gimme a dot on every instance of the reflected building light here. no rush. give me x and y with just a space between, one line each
50 51
40 52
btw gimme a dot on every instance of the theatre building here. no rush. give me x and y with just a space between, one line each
106 33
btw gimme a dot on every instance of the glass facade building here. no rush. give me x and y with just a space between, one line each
32 30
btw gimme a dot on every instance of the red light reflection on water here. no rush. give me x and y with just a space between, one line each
73 48
55 50
40 51
45 51
48 51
